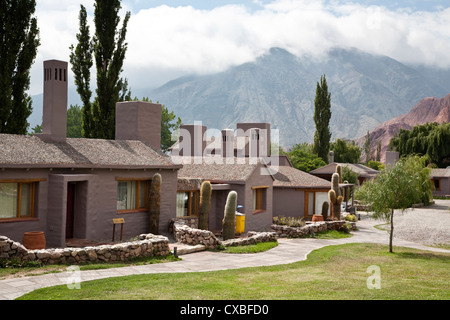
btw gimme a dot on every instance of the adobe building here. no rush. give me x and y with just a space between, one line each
74 188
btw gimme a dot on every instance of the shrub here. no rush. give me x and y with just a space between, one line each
289 221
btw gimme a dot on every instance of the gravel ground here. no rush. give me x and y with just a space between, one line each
426 225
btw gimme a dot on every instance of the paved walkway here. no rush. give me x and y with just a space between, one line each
288 251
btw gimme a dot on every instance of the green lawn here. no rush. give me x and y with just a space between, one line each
330 273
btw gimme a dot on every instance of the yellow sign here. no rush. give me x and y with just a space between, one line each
119 221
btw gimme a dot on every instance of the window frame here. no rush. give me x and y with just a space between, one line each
31 201
138 186
196 194
260 203
439 184
307 192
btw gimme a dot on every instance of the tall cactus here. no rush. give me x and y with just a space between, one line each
205 204
335 197
155 203
339 172
325 209
229 219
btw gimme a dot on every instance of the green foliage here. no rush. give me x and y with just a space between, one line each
367 152
376 165
431 139
155 203
19 40
398 187
349 175
205 205
302 158
229 220
350 217
18 263
107 48
322 116
345 151
74 122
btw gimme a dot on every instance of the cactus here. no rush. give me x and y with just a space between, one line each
325 208
155 203
205 204
339 172
335 197
229 219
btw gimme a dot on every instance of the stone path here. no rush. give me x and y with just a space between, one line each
288 251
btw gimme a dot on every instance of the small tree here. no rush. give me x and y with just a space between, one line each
398 187
322 116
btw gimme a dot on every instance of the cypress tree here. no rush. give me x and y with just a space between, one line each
19 40
322 116
108 48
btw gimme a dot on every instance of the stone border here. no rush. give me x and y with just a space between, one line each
320 226
148 245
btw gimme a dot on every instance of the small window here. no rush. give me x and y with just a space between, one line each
187 203
132 195
17 200
259 199
56 74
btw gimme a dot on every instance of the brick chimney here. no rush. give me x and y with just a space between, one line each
54 120
138 120
228 143
259 139
331 157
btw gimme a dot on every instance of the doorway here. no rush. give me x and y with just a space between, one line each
70 212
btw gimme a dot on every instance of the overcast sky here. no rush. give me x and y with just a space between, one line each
169 38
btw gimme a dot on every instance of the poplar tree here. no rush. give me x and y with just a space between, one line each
107 49
19 40
322 116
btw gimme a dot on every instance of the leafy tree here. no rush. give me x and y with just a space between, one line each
107 48
74 122
302 158
349 175
431 139
345 151
19 40
378 151
322 116
376 165
367 148
398 187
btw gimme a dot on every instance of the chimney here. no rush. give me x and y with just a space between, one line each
54 120
138 120
228 143
331 157
192 140
245 129
391 158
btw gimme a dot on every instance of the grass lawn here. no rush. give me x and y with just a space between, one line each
330 273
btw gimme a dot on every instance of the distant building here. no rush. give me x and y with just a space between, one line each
441 182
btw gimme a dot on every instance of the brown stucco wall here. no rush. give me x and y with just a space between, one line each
288 202
95 204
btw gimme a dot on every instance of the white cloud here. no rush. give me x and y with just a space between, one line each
194 40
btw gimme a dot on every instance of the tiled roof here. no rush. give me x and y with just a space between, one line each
292 177
32 151
216 169
440 173
360 169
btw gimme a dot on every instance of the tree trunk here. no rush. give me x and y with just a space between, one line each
391 235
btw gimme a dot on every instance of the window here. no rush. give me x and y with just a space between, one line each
132 195
187 203
259 199
17 200
314 200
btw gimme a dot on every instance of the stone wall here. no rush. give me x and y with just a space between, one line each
192 236
298 232
148 245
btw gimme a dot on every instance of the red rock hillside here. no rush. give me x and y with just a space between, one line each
427 110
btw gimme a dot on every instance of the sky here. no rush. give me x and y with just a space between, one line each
167 39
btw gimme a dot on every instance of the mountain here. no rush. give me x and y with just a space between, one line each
279 87
427 110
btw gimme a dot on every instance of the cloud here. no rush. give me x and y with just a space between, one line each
185 39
